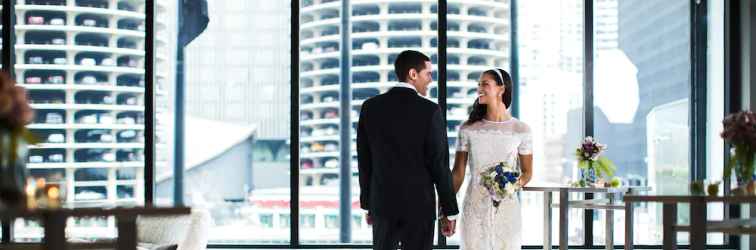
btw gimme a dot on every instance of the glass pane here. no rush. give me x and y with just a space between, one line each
376 38
472 48
87 88
641 103
320 100
551 102
715 110
237 125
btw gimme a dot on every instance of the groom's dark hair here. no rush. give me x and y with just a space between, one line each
409 59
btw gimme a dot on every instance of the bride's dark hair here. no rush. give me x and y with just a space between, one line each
478 111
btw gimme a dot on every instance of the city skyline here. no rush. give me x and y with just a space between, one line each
237 76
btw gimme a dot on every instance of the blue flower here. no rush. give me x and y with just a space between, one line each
502 183
499 169
511 177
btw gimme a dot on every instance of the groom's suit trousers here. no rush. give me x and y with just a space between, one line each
411 234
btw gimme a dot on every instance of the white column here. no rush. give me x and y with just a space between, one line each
70 77
20 17
463 10
113 23
112 195
70 173
70 19
71 38
384 8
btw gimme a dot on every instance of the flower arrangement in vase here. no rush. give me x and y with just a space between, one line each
15 114
594 168
740 135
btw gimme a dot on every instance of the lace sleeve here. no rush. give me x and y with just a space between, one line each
526 140
463 141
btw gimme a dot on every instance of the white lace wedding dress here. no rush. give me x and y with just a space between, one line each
483 226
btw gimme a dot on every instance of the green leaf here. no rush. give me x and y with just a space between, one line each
28 136
605 167
2 146
583 164
729 166
14 148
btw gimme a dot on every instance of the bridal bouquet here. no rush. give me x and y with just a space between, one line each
501 182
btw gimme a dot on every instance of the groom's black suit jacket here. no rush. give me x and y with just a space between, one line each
402 153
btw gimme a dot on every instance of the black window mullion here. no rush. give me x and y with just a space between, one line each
149 123
294 133
345 140
7 62
733 92
514 59
698 112
9 26
442 60
588 129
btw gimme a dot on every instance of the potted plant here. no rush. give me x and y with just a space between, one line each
740 136
15 114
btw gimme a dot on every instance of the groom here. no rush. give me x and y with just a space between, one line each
403 153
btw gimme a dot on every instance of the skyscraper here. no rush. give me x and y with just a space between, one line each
478 38
83 65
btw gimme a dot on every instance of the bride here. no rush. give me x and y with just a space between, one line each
489 136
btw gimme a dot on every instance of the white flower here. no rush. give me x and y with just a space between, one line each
510 189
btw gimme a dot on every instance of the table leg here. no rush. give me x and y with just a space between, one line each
547 214
55 231
609 226
697 224
127 233
669 221
564 216
629 227
7 226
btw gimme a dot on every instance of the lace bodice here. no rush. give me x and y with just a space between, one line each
490 142
487 142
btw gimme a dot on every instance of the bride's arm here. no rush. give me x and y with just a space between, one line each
458 172
526 161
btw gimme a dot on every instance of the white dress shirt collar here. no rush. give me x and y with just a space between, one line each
405 85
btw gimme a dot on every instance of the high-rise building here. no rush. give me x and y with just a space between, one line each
165 78
661 73
83 65
239 66
234 70
478 38
606 24
605 27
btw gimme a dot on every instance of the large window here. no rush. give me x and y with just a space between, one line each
237 106
641 101
469 53
642 104
326 87
82 63
551 103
